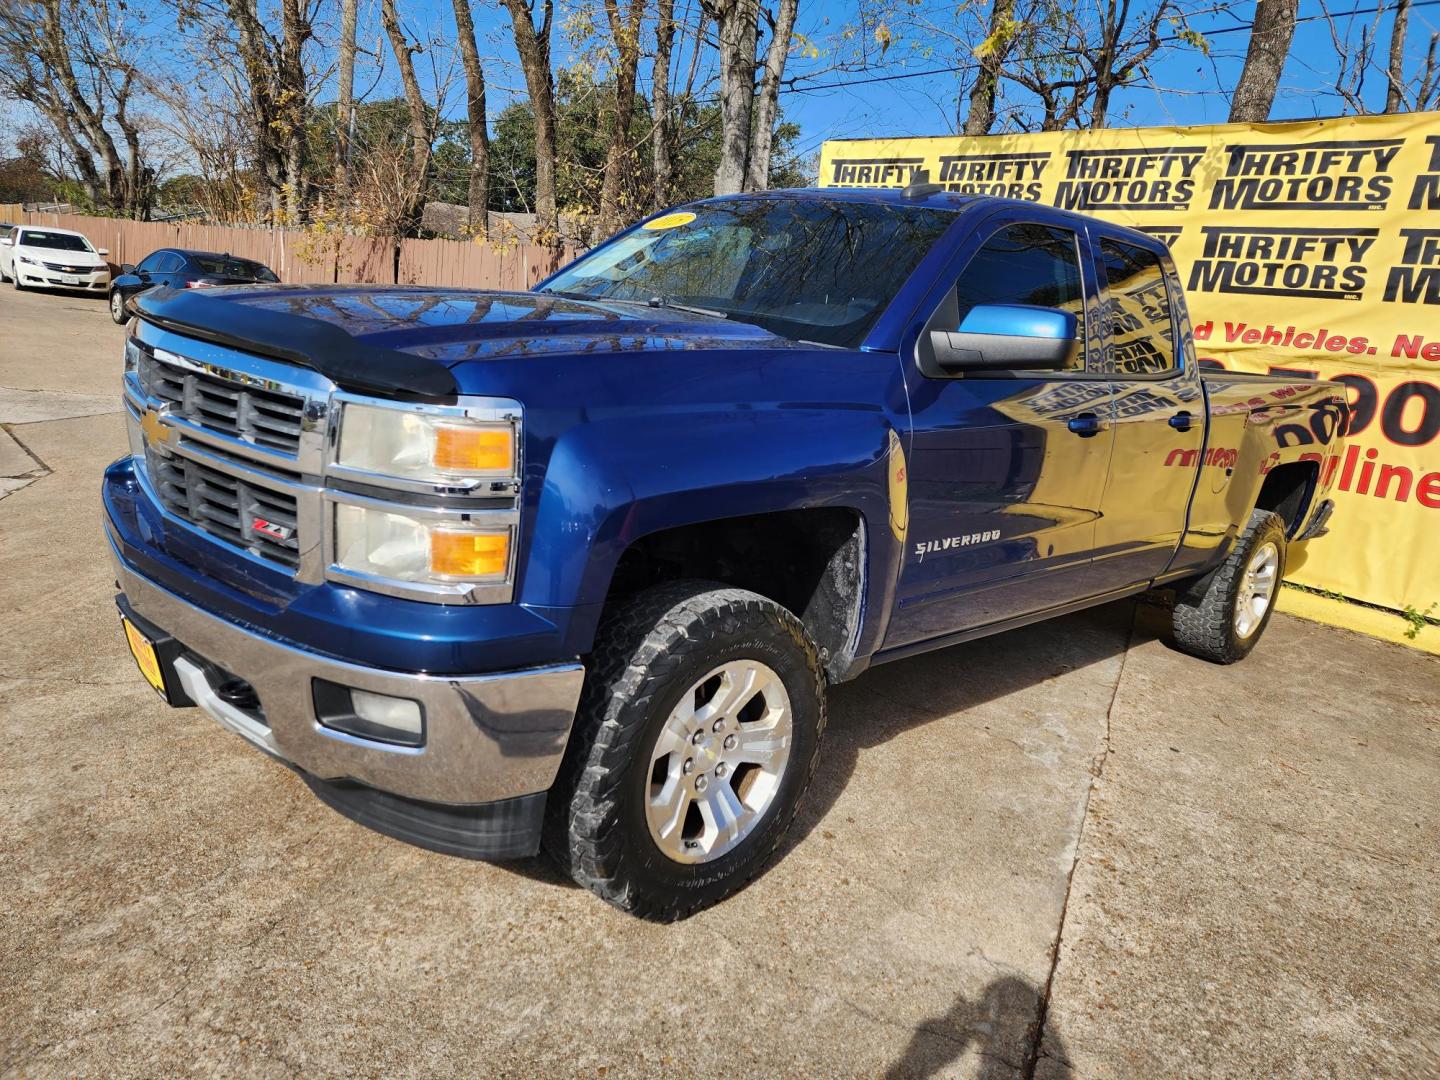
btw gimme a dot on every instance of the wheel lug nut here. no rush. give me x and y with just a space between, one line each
698 737
718 726
688 767
701 783
730 742
721 769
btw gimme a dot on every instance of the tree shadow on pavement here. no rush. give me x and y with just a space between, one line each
1002 1027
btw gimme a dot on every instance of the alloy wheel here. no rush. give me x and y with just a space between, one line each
718 763
1257 589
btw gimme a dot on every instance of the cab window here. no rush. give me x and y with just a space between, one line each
151 263
1140 329
1027 264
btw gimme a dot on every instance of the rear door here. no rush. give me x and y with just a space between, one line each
1006 469
169 270
1159 412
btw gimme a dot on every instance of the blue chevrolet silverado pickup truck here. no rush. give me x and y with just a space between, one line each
573 567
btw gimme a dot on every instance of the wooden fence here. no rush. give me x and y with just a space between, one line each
302 257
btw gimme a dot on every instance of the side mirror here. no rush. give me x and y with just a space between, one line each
102 251
1008 337
127 268
7 242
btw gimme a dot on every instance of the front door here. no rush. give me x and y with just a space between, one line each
1159 416
1006 469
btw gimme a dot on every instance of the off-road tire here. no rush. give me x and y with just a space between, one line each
649 651
1204 613
124 315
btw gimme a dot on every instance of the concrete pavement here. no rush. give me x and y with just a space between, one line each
1233 867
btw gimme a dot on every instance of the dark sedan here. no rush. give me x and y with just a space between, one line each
181 269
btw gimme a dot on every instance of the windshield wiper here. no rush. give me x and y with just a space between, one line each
654 302
666 302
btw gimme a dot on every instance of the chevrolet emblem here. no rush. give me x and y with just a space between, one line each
157 432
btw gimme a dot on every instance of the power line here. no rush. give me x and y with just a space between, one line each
845 83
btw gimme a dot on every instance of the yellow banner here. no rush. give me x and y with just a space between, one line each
1304 247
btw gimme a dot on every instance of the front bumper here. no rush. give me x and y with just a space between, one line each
487 737
42 277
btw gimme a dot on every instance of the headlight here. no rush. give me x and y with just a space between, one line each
26 259
402 547
424 446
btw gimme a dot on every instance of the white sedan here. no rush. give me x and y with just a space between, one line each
36 257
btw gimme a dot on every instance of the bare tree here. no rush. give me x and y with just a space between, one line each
1423 91
72 60
991 53
662 163
475 119
1073 62
625 30
345 103
1355 55
1270 36
273 81
412 202
736 23
767 100
532 42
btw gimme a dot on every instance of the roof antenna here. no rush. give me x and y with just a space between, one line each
920 186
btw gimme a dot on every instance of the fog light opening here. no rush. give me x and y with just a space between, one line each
368 715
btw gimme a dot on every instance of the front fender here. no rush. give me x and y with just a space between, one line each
613 481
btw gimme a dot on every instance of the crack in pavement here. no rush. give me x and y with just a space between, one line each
1034 1052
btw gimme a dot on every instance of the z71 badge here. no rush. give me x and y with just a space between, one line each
949 543
271 529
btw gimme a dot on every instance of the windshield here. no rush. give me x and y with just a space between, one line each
227 267
805 268
55 240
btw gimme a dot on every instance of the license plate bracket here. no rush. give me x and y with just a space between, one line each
155 653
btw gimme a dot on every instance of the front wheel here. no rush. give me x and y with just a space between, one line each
1221 616
117 308
698 732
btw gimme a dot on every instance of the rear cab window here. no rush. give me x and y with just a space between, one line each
1137 314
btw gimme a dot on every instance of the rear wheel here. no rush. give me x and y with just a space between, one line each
117 307
698 732
1221 616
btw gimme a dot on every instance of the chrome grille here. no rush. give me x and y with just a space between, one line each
62 268
268 418
229 508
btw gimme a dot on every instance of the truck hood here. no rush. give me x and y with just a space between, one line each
455 326
406 339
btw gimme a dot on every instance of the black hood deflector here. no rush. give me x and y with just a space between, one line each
310 343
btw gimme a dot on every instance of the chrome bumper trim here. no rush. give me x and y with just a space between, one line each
488 737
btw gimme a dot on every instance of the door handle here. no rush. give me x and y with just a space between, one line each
1180 421
1086 425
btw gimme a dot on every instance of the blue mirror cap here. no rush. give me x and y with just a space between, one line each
1020 320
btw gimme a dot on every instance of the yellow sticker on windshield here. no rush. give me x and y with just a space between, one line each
670 221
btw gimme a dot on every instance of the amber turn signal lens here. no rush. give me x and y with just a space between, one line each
468 449
469 554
